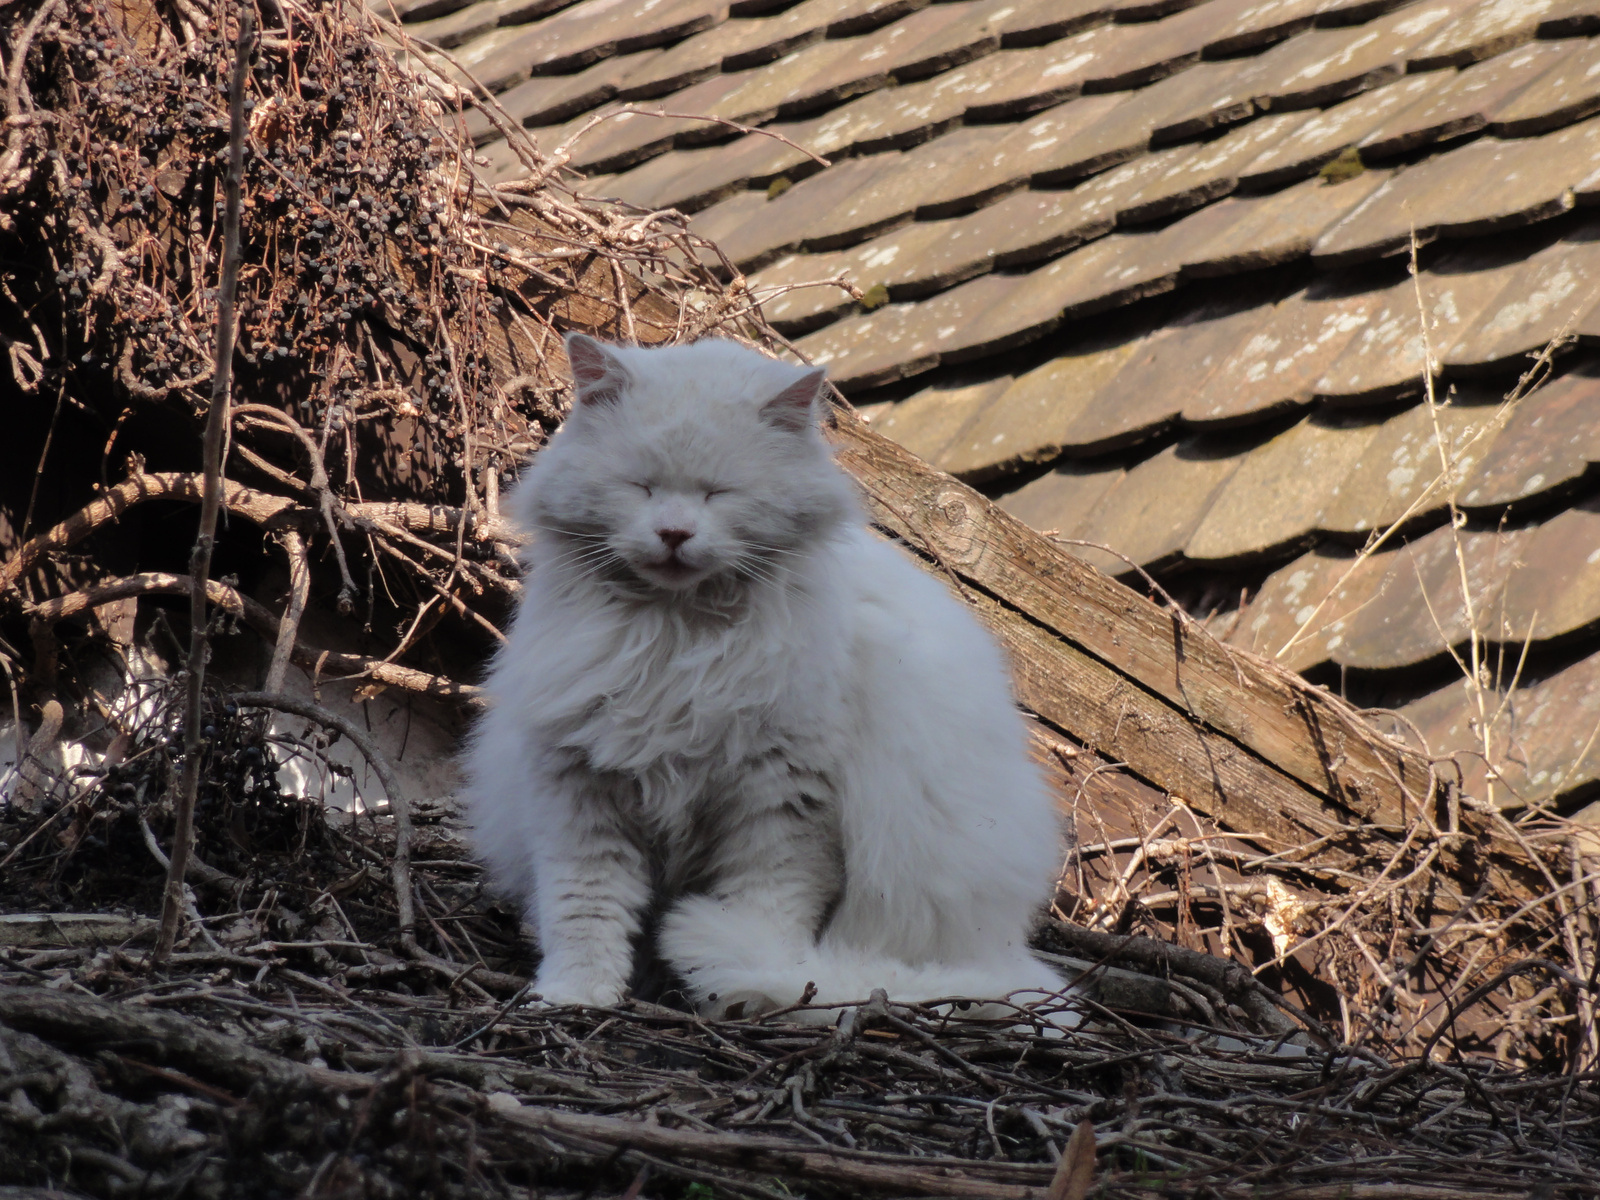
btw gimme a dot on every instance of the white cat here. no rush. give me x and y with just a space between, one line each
726 704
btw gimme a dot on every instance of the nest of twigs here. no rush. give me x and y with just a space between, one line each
292 1048
341 1016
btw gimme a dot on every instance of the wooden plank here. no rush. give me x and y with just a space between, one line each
1113 714
1303 732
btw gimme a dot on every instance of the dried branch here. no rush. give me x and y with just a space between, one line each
173 903
289 626
350 666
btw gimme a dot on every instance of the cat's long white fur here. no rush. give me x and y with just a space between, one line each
811 751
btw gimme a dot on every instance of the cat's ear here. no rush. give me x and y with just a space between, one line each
597 373
794 408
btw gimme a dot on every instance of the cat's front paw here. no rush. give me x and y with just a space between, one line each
564 988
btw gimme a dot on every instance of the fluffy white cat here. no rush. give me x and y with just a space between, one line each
727 707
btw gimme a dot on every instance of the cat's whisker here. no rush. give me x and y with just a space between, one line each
589 553
564 531
774 551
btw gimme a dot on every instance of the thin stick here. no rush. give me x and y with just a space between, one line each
289 625
172 904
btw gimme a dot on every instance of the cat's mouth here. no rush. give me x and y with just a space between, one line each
672 572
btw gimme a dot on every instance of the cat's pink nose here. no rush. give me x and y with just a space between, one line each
674 537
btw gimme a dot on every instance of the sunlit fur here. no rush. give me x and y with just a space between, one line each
791 741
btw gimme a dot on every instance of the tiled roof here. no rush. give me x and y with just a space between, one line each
1139 269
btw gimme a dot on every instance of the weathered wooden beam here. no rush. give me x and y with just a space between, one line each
1198 703
1158 742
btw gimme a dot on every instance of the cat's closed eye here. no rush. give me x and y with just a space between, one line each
710 492
643 487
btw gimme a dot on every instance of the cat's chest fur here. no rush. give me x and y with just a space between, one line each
684 702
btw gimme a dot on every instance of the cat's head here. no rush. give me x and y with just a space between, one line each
682 464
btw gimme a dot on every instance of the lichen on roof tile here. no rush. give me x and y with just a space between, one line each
1302 611
919 259
1277 368
1386 358
1540 301
1013 82
1567 92
828 72
986 315
787 220
1210 170
1040 146
690 62
890 118
1201 98
1330 132
1466 103
1552 734
1110 193
1324 66
1060 500
803 308
1130 56
551 99
1549 442
1274 498
915 260
1490 28
1414 463
1119 130
1030 421
943 36
1555 589
1127 267
1029 226
936 177
1280 227
926 422
1151 512
1486 186
1251 24
1147 394
1542 736
1424 613
871 349
1105 273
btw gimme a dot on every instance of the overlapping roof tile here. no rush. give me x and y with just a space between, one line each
1548 442
1143 270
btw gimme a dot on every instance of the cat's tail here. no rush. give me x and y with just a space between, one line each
750 967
